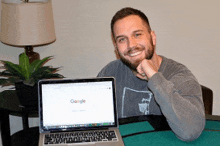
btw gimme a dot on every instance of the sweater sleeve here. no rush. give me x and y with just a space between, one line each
180 100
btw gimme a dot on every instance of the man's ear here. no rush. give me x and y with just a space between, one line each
116 54
113 40
153 35
115 46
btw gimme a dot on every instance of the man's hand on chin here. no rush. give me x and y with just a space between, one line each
146 69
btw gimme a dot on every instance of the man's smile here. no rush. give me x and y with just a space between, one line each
135 53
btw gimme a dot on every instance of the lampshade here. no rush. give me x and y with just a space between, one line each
27 24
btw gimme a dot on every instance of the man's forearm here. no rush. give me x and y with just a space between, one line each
183 108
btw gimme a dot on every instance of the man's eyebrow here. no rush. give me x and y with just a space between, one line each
119 36
139 30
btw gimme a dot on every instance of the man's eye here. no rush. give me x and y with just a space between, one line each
138 34
121 40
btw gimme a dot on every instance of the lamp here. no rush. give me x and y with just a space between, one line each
27 24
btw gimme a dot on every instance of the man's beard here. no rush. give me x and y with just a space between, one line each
149 54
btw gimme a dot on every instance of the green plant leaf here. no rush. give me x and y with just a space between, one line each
14 69
24 64
35 65
9 81
46 72
36 71
6 73
14 79
40 73
50 69
3 81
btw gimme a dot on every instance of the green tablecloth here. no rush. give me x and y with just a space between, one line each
212 125
168 138
210 136
134 128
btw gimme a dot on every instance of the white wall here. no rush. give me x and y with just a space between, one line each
187 31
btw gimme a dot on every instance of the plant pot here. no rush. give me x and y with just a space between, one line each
27 95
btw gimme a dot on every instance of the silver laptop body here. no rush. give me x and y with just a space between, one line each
69 108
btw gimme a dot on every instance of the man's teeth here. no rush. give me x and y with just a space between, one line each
135 54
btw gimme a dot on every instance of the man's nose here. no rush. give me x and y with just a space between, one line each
132 42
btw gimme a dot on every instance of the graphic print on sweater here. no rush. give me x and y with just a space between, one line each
135 102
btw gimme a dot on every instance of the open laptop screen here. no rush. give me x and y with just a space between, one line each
77 104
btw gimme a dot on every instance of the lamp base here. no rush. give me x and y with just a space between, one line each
29 50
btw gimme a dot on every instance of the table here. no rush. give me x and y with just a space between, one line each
10 105
143 133
142 130
136 131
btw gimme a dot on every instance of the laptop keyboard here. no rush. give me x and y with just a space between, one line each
78 137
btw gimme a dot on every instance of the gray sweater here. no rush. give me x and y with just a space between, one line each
173 92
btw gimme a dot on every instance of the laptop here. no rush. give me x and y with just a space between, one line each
78 112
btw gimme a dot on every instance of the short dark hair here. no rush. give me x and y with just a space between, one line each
127 12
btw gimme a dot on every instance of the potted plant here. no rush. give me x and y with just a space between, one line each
25 77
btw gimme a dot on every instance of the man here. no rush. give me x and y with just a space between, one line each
149 84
